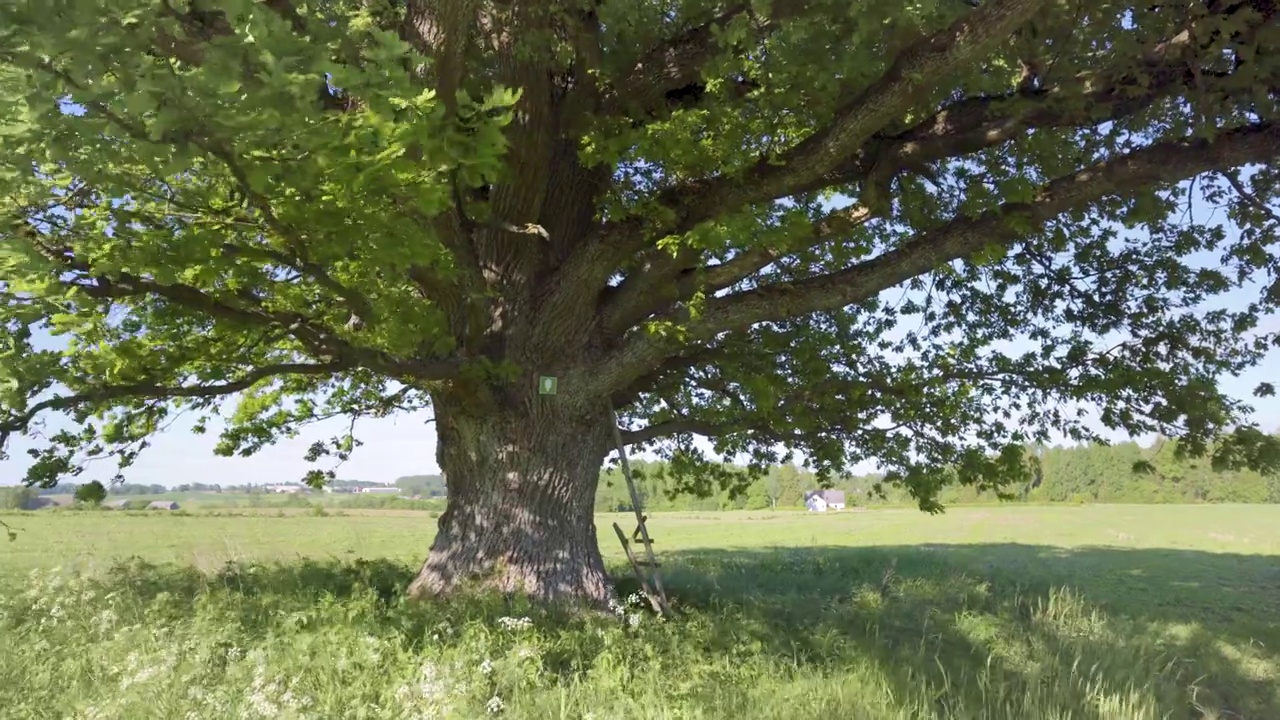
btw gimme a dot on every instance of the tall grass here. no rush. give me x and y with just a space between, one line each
782 634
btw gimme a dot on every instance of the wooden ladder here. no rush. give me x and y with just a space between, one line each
650 582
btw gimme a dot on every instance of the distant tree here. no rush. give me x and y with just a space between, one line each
91 493
427 486
19 498
771 486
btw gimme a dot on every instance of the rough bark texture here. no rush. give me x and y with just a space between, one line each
521 487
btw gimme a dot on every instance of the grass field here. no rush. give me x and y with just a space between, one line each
1106 612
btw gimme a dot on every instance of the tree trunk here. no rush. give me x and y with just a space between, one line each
520 513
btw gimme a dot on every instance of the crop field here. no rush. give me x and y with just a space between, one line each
1106 612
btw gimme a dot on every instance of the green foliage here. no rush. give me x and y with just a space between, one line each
91 493
923 234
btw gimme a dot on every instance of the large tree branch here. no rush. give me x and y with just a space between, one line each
1159 163
911 76
677 63
959 128
677 278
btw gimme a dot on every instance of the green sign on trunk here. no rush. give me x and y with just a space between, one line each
546 385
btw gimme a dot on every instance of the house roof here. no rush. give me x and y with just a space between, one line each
162 505
117 503
830 496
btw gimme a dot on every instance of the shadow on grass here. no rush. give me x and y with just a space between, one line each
1192 634
976 630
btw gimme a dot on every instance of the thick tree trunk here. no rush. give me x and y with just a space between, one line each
519 518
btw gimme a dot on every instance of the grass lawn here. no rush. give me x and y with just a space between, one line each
1094 612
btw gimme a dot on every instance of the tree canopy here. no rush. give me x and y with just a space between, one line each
279 211
91 493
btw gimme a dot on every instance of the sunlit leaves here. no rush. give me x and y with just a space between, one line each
203 154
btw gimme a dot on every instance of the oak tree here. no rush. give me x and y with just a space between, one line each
922 233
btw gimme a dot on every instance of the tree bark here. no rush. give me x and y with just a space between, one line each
520 515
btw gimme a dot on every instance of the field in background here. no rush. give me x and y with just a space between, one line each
1097 612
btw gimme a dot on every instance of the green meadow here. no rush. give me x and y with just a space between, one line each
1095 612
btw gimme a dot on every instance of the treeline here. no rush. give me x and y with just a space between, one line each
1080 474
426 486
1120 473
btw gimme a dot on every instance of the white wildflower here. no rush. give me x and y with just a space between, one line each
106 620
510 623
633 620
526 652
260 699
486 667
617 608
292 701
140 677
431 685
635 599
495 705
371 645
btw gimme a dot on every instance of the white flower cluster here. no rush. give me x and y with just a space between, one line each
510 623
495 705
429 697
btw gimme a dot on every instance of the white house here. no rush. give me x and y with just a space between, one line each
824 500
380 490
285 488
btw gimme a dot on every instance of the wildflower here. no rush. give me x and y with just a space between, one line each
633 620
139 677
495 705
510 623
617 608
432 686
635 599
486 667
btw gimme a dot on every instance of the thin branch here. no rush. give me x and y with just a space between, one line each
1250 198
155 391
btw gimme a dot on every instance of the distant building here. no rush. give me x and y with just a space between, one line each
824 500
381 490
162 505
288 488
118 504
